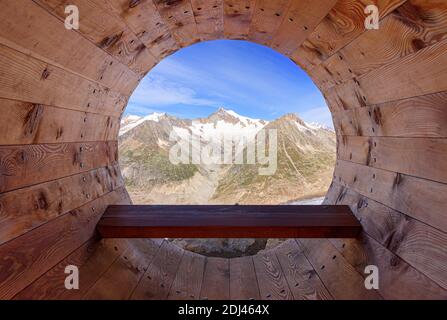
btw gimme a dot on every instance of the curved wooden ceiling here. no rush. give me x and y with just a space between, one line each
62 93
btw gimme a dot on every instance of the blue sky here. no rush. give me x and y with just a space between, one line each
251 79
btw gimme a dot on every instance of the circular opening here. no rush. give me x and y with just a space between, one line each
227 122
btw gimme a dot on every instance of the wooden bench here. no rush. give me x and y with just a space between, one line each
228 221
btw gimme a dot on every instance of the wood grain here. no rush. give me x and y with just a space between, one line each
338 275
227 221
216 279
243 280
29 123
300 275
25 209
237 17
189 277
78 55
119 281
26 165
421 199
159 276
98 24
419 245
28 257
271 279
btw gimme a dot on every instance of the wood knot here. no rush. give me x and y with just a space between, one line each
134 3
110 41
32 119
45 74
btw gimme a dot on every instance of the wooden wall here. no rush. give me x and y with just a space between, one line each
62 93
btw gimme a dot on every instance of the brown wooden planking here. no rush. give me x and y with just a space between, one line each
427 155
421 199
344 23
237 18
228 221
271 279
299 273
149 27
243 280
179 17
39 250
419 245
22 166
92 258
216 279
422 116
28 123
267 17
159 276
411 27
419 73
397 280
422 72
77 54
300 20
98 24
25 209
25 78
209 18
338 275
189 277
119 281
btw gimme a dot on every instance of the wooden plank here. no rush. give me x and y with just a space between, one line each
98 24
26 165
299 273
423 116
159 276
237 18
209 18
422 72
411 27
28 208
344 23
179 17
28 123
189 277
271 279
51 285
25 78
421 199
243 281
267 17
119 281
419 157
216 279
78 55
219 221
149 27
300 20
397 280
338 275
39 250
419 245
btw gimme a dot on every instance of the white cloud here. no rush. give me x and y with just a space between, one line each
157 91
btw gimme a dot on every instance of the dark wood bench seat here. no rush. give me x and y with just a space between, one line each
228 221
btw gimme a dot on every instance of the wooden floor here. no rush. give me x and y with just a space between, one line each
228 221
157 269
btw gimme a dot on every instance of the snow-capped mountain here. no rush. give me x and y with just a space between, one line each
306 153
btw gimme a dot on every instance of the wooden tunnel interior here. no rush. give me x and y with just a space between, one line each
62 93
